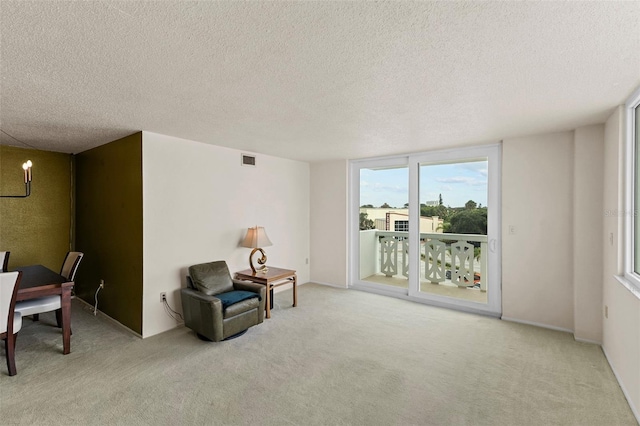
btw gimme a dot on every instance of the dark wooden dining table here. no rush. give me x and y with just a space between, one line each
38 281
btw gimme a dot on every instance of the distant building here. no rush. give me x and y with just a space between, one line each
432 203
397 220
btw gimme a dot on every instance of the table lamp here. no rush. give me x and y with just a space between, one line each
256 238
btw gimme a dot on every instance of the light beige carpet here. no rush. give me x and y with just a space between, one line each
342 357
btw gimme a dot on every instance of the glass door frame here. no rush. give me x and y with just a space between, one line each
354 223
493 153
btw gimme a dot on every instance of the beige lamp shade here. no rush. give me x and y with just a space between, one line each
256 238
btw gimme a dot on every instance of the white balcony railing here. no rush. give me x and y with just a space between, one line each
444 258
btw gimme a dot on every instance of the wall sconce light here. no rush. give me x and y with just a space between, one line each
27 181
256 238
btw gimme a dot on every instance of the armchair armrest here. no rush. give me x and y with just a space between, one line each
255 288
200 297
202 313
250 286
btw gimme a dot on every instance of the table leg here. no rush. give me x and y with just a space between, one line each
295 291
66 319
268 302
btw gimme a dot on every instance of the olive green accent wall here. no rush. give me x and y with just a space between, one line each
109 228
37 229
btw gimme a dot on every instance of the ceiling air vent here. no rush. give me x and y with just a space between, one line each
248 160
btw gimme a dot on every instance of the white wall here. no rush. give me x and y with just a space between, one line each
198 202
554 187
588 187
537 199
329 230
621 330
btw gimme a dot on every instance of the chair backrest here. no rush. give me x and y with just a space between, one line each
4 261
9 283
211 278
70 265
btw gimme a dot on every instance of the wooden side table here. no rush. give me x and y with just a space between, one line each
272 278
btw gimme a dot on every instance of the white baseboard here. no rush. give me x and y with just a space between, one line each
581 340
107 317
328 284
537 324
634 410
551 327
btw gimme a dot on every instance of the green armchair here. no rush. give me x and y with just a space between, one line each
218 307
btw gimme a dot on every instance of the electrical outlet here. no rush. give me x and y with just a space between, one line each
163 297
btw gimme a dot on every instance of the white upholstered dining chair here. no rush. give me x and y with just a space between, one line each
10 321
4 260
52 303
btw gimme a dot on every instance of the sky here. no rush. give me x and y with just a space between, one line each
457 182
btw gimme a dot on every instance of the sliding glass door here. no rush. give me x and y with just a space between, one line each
428 227
454 257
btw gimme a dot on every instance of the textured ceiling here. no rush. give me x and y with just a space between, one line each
311 80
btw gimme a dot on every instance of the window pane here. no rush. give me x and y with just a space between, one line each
384 225
453 229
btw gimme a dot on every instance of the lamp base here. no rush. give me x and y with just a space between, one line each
261 261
